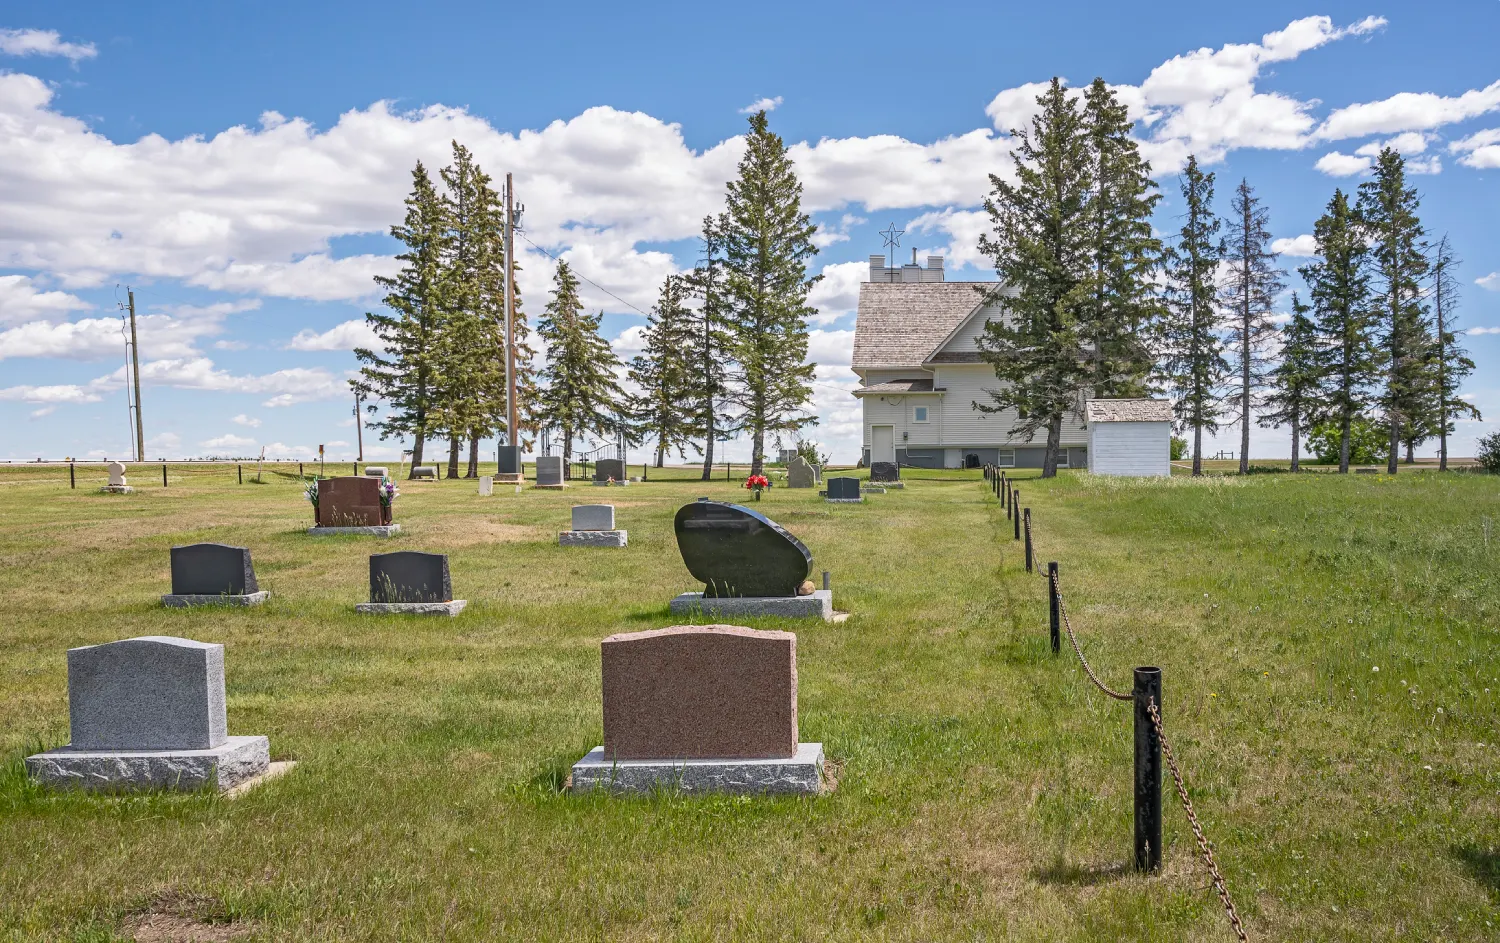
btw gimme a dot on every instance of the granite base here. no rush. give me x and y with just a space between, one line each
117 489
509 479
379 530
550 487
898 485
452 608
236 761
845 500
872 489
181 601
610 484
817 605
799 774
593 538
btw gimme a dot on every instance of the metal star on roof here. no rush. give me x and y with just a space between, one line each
892 236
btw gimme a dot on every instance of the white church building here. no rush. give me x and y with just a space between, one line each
917 359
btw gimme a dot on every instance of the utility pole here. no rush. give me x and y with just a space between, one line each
135 370
359 428
511 410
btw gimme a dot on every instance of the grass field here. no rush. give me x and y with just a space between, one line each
984 785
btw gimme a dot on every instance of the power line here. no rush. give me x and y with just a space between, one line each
586 278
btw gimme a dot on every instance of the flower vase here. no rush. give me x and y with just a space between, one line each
757 494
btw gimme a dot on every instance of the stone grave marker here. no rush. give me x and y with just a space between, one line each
410 581
607 468
352 505
702 708
844 491
549 472
149 713
593 526
486 486
213 574
117 483
885 471
376 471
748 564
508 464
424 471
800 474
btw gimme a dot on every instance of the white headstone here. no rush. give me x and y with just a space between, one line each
116 473
486 485
593 517
150 693
376 471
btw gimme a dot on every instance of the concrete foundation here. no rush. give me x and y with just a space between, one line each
818 605
845 500
452 608
593 538
236 761
800 774
182 601
117 489
380 530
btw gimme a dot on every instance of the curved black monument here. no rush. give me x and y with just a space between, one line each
737 552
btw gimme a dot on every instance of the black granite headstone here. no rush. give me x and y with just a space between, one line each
410 576
737 552
607 468
885 471
510 460
212 570
843 489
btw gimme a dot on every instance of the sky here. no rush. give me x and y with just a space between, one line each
239 166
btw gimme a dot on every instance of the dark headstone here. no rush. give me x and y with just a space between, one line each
843 489
349 502
737 552
885 471
212 570
549 471
410 576
607 468
510 460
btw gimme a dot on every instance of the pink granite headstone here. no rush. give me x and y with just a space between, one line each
700 692
350 502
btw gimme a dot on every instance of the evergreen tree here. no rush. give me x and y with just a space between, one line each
1125 252
1339 282
664 373
1295 397
582 390
1388 215
1254 282
1194 362
1042 246
1451 362
766 249
709 342
405 374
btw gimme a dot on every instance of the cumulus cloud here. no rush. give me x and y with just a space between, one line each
345 336
1483 330
229 441
20 299
837 294
1481 150
1409 111
1490 281
244 420
43 42
63 393
1336 164
1304 246
762 104
963 227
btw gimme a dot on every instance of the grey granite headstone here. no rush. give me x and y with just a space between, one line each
593 517
885 471
376 471
151 693
407 576
212 570
549 471
509 460
607 468
843 489
424 471
799 474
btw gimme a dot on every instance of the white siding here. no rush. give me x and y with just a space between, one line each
963 425
1138 449
898 410
965 340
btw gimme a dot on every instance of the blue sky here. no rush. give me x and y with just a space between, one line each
239 167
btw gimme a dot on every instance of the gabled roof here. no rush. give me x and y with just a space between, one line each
1128 410
897 386
902 324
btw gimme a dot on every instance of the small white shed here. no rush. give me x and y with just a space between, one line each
1129 436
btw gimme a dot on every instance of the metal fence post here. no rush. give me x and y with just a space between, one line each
163 474
1147 771
1027 514
1015 506
827 580
1052 609
239 471
72 480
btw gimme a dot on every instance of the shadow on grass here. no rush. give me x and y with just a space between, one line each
1483 865
1065 873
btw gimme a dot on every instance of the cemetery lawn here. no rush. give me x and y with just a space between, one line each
1331 673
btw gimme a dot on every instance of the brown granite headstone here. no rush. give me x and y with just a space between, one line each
700 692
349 502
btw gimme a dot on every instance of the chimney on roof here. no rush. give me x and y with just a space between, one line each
911 272
934 270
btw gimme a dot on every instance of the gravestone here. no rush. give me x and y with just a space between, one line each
410 581
704 708
844 490
486 486
210 574
424 471
800 474
593 526
149 713
549 471
817 471
885 471
376 471
508 464
117 483
607 468
352 506
749 564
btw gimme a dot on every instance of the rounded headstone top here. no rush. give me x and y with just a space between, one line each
735 551
155 639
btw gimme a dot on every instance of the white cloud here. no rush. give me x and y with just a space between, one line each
1013 108
20 300
316 277
762 104
244 420
164 442
1335 164
297 385
1483 330
173 333
42 42
1490 281
830 348
229 441
1408 111
1304 246
964 227
44 412
838 293
345 336
1481 150
63 393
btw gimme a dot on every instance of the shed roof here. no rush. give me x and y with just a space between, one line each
901 324
1128 410
897 386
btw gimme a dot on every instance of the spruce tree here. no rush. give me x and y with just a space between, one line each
1254 282
664 373
405 374
1042 247
1387 212
1125 252
1295 395
1193 350
582 390
1451 362
709 342
1339 283
766 249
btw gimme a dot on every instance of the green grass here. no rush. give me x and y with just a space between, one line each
984 785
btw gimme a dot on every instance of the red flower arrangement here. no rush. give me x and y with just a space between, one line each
755 482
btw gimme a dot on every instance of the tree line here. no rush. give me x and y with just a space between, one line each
723 349
1099 306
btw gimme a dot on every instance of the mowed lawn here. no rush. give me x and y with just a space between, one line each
984 786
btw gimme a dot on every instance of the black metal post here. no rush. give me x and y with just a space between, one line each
827 580
240 471
1015 506
72 481
1054 615
1147 771
1007 502
1027 528
300 473
163 474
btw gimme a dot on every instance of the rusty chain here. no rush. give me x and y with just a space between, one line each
1187 807
1062 610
